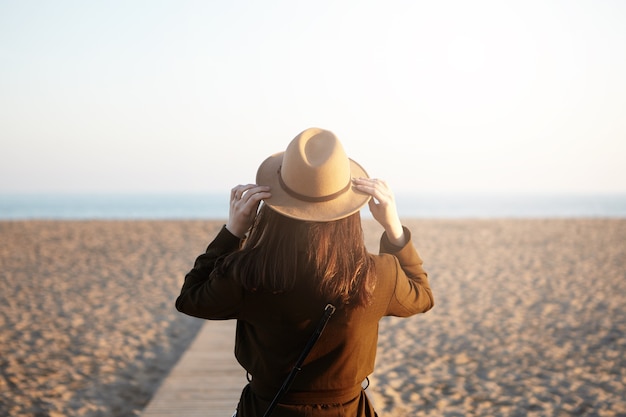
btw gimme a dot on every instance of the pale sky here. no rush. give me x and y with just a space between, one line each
433 96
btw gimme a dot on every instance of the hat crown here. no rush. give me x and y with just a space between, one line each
315 164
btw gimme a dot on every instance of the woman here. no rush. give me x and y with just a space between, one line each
275 271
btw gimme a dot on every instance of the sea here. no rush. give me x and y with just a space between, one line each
215 206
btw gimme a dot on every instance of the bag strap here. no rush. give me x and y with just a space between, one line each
328 311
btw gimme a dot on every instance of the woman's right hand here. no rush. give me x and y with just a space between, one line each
383 207
244 202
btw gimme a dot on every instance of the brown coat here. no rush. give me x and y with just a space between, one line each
272 329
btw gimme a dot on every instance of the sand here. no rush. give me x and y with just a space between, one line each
530 318
87 317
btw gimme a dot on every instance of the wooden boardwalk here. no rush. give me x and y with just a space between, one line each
206 381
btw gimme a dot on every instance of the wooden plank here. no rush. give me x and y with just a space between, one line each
206 381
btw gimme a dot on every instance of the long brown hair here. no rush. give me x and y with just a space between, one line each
280 249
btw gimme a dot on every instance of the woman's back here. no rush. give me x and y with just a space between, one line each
276 271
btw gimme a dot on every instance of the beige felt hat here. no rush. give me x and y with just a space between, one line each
312 179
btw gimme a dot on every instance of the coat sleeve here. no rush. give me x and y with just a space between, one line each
205 293
411 291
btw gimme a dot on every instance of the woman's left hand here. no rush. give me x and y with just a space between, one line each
244 202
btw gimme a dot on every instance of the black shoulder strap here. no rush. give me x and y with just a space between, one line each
328 311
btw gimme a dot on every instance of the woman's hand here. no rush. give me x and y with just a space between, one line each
383 207
244 202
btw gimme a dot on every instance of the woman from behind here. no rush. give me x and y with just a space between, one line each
292 245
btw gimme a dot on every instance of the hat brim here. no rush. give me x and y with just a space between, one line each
342 206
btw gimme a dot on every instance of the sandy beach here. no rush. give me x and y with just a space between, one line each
530 318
